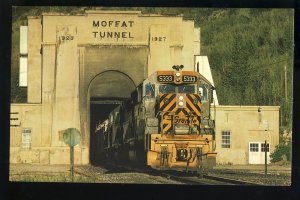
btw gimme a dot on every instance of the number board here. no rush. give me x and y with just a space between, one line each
165 78
189 79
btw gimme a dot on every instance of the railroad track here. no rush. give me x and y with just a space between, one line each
206 180
182 177
186 180
230 181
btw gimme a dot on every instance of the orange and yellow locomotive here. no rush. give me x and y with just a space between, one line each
168 125
184 138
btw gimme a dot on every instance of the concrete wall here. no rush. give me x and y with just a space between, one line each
246 125
29 116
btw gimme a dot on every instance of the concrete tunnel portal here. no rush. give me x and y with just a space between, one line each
106 91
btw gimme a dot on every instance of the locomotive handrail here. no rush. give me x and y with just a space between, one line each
158 113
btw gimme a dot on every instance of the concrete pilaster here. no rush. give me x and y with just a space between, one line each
48 83
66 100
34 60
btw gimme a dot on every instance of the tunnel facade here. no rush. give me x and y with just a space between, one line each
77 61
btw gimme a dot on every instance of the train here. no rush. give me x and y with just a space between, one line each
166 124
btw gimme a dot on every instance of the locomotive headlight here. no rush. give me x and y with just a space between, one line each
177 74
181 129
195 101
177 79
180 103
180 98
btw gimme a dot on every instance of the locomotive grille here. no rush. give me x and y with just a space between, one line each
170 109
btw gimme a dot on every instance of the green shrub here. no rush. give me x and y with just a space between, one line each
282 150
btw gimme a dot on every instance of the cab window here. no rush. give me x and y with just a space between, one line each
203 91
188 89
150 90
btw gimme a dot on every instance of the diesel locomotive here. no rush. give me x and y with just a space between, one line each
165 125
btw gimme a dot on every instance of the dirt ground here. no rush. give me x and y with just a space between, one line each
271 168
279 175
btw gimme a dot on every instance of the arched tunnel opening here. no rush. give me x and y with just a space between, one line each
107 91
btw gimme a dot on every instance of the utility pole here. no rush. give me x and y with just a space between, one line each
266 160
285 83
285 90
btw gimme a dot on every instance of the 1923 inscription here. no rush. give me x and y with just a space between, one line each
66 37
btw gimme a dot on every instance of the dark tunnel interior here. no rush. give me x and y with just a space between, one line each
98 113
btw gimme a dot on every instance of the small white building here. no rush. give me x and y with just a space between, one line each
241 132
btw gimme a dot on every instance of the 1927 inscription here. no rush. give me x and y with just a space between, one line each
158 39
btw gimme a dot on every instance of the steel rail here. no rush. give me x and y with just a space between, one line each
229 180
185 180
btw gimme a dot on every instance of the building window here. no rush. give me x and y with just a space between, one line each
26 138
23 72
225 139
254 147
23 57
263 147
23 40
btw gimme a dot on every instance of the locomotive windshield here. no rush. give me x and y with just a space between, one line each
165 89
188 89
